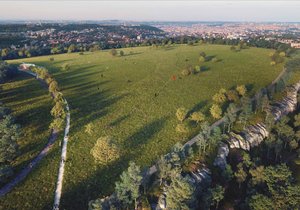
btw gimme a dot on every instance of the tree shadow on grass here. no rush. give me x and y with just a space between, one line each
199 106
145 133
118 120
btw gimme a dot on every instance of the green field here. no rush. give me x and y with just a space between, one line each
134 100
31 105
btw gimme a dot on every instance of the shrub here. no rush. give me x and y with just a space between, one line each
282 54
65 66
197 69
214 60
202 54
201 59
113 52
51 59
58 124
241 89
182 128
216 111
122 53
185 72
81 53
89 128
105 151
53 87
232 95
220 97
272 63
197 117
181 114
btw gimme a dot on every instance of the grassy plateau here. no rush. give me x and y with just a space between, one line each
133 99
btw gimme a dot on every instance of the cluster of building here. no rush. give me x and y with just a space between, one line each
242 31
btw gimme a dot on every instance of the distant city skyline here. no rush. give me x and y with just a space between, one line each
252 11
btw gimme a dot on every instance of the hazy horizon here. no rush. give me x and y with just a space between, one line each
173 11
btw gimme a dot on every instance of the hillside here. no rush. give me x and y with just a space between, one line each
133 99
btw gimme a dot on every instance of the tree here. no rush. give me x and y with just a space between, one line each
128 188
227 173
105 150
240 174
89 128
216 111
9 134
241 89
181 114
72 48
246 110
257 175
180 193
163 168
65 67
232 95
260 202
293 144
58 110
217 194
297 120
197 117
203 54
230 115
201 59
53 87
220 97
113 52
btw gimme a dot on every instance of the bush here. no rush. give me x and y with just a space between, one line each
272 63
105 151
214 60
202 54
197 117
122 53
201 59
241 89
81 53
197 69
53 87
51 59
113 52
58 124
232 95
216 111
181 114
65 66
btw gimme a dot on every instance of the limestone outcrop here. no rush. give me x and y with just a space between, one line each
255 134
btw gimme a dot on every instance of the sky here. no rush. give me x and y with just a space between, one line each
167 10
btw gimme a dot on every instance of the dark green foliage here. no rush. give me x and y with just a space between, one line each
128 188
9 134
180 193
7 71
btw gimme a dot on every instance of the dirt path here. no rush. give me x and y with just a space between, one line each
61 170
23 174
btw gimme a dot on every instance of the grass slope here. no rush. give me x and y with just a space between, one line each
31 105
117 95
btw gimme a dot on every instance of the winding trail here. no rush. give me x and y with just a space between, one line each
32 164
54 133
61 170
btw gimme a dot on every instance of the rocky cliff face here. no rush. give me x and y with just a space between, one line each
255 134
